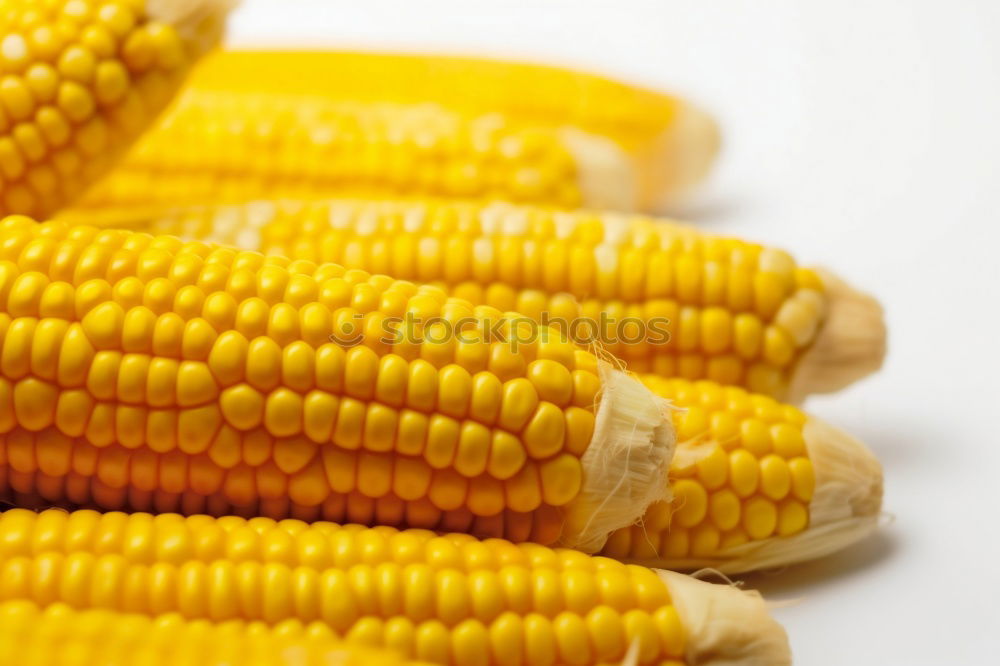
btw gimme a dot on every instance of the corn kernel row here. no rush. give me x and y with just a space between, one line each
750 482
57 634
540 94
46 468
214 147
447 599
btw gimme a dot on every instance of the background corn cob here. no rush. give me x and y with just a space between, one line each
565 137
58 635
736 312
540 94
224 147
149 373
755 484
80 81
445 599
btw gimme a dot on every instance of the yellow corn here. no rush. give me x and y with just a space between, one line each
247 130
214 147
542 94
151 373
666 298
444 599
755 483
78 82
146 373
59 635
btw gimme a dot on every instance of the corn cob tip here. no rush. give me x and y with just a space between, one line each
848 484
726 626
185 13
845 506
625 466
679 159
850 345
606 176
200 21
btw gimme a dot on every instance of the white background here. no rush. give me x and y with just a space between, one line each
859 135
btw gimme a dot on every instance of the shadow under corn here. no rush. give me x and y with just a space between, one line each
806 579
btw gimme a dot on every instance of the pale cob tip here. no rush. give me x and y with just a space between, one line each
679 159
625 467
850 344
200 22
847 502
606 176
726 626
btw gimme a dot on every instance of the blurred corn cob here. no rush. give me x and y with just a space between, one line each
215 147
540 94
702 306
370 124
445 599
80 80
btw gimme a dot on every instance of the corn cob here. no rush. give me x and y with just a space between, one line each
540 94
80 80
444 599
670 142
706 306
254 464
215 147
152 374
756 484
513 131
58 635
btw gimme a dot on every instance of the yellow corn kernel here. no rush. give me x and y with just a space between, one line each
691 501
803 478
760 518
775 478
792 517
